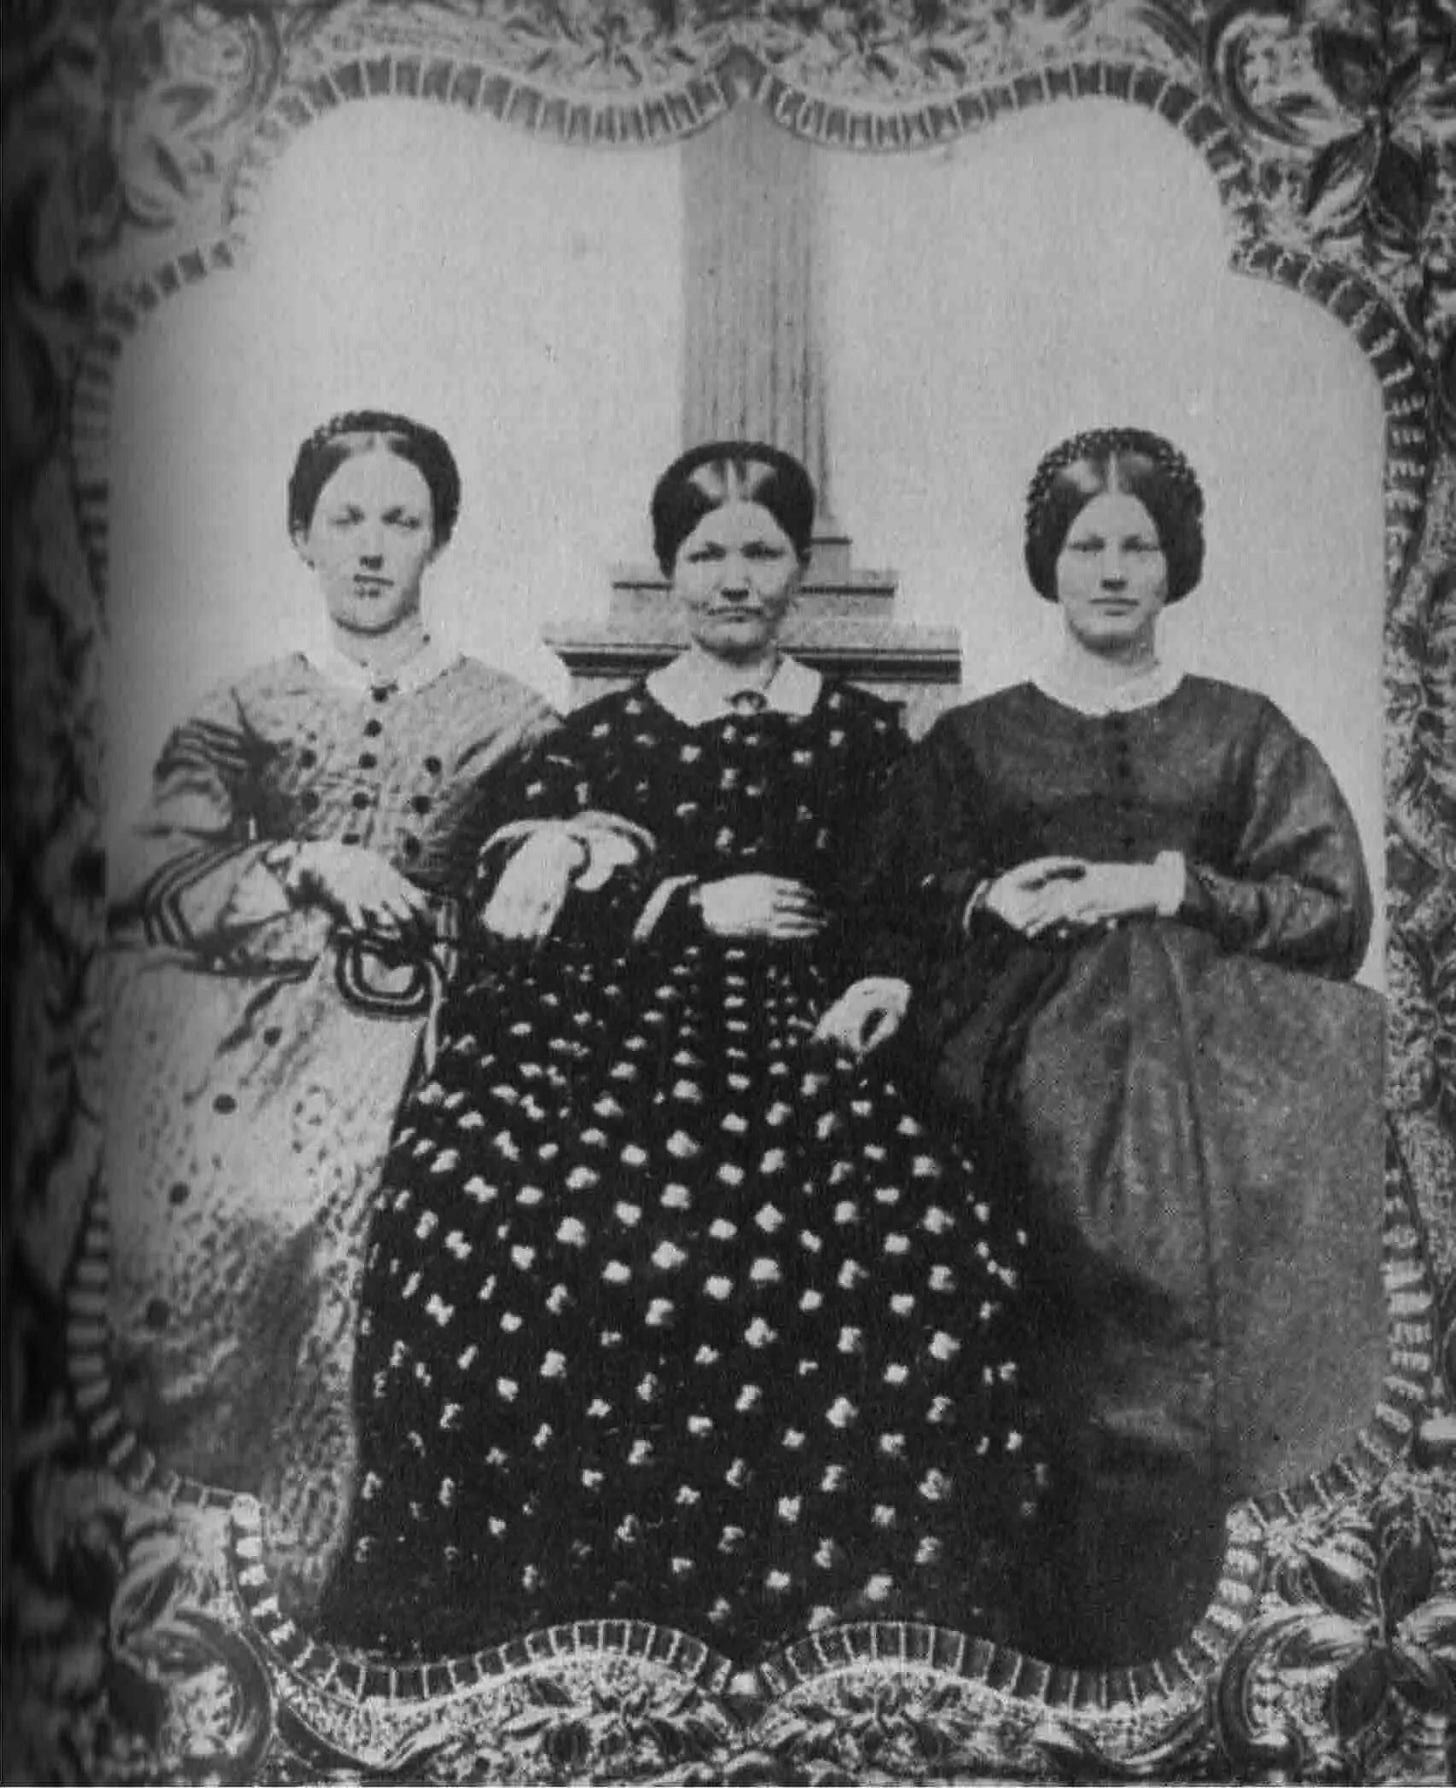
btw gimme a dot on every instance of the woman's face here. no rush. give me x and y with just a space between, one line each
735 576
370 539
1112 575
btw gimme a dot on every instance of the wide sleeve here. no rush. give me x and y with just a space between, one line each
197 869
1296 891
921 856
490 776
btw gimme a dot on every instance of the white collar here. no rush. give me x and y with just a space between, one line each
421 667
691 698
1062 684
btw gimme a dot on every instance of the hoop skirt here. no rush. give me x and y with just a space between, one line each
1192 1106
668 1313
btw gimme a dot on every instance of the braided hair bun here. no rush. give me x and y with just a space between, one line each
1133 462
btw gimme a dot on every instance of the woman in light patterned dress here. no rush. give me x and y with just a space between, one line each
281 916
670 1311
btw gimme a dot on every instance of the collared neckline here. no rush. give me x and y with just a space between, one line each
1145 690
693 700
421 667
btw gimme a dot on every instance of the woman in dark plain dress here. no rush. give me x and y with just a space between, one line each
673 1311
1130 904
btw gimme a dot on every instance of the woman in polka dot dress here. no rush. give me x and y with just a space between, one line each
279 915
670 1312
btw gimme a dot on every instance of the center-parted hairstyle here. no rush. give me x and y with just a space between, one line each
707 477
1132 462
357 431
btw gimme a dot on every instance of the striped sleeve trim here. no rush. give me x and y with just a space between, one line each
163 919
204 745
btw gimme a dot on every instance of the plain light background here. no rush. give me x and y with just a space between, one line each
1066 269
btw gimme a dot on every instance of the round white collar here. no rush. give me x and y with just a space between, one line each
695 700
421 667
1062 684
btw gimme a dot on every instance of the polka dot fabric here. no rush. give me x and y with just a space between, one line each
668 1313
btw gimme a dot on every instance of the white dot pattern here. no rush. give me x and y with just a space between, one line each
759 1362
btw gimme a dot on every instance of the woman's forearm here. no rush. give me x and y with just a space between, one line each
1302 924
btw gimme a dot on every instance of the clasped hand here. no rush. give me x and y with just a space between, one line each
769 906
1059 894
867 1014
363 889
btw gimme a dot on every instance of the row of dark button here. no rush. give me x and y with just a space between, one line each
361 799
409 845
1122 768
308 758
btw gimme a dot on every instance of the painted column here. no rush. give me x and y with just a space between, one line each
753 293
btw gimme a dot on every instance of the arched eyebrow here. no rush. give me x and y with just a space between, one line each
1138 537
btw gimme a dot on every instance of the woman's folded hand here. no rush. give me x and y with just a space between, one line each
1061 894
769 906
362 888
1107 892
533 886
1030 897
865 1015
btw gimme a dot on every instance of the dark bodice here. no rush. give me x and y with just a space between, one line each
1274 863
774 793
1119 787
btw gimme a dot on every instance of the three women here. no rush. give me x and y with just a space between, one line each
675 1305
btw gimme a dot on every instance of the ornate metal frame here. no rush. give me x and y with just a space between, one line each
138 140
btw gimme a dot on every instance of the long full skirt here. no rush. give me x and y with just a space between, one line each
670 1315
248 1114
1200 1138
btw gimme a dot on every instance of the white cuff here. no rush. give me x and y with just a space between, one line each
606 840
1172 882
611 843
661 895
886 987
976 902
519 831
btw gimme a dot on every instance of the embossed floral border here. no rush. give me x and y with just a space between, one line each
138 140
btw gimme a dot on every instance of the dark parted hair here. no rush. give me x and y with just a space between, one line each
707 477
1132 462
357 431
